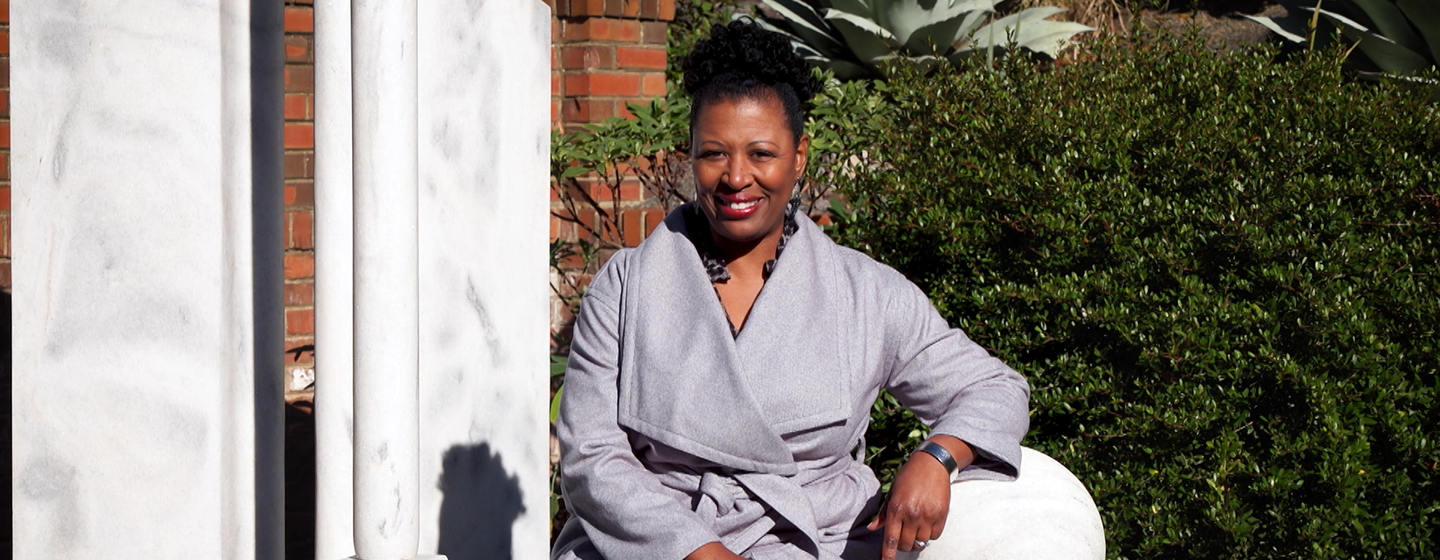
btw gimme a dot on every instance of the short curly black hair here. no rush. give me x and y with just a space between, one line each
742 60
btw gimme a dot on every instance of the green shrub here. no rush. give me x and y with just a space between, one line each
1219 274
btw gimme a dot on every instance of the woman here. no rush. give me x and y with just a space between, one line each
722 373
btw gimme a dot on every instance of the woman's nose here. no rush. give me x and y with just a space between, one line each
737 174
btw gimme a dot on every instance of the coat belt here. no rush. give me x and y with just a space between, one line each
785 495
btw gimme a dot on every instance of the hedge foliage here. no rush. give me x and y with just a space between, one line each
1218 272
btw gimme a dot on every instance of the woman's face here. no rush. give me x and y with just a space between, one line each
746 163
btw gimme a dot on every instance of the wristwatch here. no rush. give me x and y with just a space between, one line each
938 451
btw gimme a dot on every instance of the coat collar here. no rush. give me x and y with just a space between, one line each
687 383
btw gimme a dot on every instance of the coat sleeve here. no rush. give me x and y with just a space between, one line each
622 506
953 385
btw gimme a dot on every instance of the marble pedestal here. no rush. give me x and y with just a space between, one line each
147 394
1045 514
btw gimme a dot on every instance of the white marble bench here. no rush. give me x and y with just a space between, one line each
1045 514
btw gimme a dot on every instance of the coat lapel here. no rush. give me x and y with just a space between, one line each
790 349
687 383
681 382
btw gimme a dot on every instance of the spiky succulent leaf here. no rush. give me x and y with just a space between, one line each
1343 21
807 25
868 41
853 37
866 7
939 37
1385 19
1029 29
934 39
1426 16
1284 27
1391 36
1384 53
904 18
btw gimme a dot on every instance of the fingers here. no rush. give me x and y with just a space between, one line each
892 540
908 532
922 535
907 521
902 536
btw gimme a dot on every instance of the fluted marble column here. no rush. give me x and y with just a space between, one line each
383 45
483 153
147 289
334 294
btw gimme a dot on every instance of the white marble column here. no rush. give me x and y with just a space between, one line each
334 295
147 254
483 151
484 232
383 45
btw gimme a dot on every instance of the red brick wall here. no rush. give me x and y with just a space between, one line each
299 189
5 146
605 54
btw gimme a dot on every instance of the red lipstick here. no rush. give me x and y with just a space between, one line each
735 206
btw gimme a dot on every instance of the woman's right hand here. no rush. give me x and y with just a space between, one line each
713 551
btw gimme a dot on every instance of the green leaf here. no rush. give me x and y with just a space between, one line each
1389 22
902 18
866 39
1272 25
807 26
939 37
1426 15
1386 54
1029 29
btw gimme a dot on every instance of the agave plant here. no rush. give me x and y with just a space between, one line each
1391 36
853 37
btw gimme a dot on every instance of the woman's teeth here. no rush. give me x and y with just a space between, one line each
742 205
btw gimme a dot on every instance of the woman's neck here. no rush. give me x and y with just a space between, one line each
746 260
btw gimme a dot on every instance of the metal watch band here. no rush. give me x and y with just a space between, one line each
939 452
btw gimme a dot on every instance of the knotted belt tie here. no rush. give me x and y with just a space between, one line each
785 495
720 492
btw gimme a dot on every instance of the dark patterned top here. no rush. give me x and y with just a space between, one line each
698 229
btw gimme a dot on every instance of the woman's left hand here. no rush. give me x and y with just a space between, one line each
919 500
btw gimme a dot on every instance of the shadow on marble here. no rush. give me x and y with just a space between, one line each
480 505
6 536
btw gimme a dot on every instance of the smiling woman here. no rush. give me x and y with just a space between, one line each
749 150
747 165
721 373
746 169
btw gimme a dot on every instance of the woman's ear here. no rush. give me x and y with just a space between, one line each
802 155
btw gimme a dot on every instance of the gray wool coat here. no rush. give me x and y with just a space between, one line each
674 434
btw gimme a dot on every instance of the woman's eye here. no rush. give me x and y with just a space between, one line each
712 154
762 154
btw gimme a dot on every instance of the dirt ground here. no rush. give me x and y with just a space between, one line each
1225 31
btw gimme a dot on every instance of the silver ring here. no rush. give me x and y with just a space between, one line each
920 544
